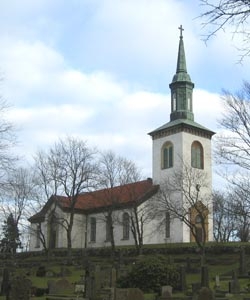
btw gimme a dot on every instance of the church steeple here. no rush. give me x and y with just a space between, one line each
181 88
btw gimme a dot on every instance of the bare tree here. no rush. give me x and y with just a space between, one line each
240 208
67 168
116 171
225 224
233 144
17 197
233 153
186 197
18 193
7 140
234 14
140 215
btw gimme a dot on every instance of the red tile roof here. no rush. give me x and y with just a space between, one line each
120 196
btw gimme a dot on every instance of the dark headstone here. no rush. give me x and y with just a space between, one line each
183 281
188 262
59 287
204 276
206 294
41 271
129 294
52 287
243 265
234 285
196 287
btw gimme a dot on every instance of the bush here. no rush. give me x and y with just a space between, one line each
149 274
41 271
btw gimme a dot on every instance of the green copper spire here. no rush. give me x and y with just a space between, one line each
181 87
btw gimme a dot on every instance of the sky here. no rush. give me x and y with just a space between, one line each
99 70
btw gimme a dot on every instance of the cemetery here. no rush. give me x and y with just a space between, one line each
170 272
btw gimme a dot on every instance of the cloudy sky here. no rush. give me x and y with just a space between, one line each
100 70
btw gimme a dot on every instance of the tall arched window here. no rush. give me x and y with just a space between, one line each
197 160
126 227
199 229
167 155
92 229
52 230
108 228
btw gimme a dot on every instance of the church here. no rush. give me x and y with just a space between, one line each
179 145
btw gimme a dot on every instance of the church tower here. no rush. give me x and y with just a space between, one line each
182 142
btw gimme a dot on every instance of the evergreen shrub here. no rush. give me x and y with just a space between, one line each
149 274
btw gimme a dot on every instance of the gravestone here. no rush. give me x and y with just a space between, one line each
129 294
166 292
204 276
89 284
79 288
206 293
51 286
20 288
217 281
195 288
183 281
243 265
50 273
234 285
59 287
188 263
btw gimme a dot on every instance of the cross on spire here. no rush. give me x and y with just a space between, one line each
181 29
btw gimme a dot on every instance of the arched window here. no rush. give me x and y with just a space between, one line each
126 227
52 230
199 229
92 229
167 155
197 155
108 228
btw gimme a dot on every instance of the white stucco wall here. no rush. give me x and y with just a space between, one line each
78 231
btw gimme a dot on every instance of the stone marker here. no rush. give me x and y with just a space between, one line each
234 285
217 281
195 287
243 265
79 288
206 294
183 281
59 287
129 294
204 276
166 292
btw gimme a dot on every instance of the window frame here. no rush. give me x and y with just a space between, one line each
92 229
167 155
125 226
197 155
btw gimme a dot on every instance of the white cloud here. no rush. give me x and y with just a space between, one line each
100 70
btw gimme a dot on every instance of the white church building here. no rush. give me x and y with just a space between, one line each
177 146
